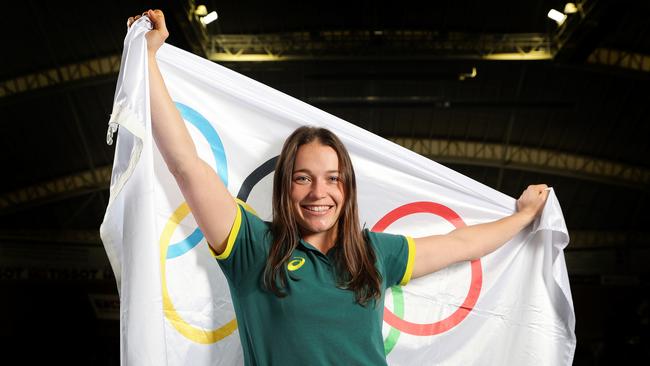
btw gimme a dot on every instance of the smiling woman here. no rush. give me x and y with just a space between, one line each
315 199
317 193
312 266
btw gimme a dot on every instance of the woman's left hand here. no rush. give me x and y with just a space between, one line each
472 242
532 201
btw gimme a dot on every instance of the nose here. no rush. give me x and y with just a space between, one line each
318 189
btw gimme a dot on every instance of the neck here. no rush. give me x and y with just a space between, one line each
323 241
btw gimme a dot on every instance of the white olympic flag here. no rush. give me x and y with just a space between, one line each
512 307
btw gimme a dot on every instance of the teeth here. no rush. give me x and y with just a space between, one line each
317 208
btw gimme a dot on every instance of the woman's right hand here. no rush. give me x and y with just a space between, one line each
212 205
157 36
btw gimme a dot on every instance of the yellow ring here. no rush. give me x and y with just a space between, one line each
198 335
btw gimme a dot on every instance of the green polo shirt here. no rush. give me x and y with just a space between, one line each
317 323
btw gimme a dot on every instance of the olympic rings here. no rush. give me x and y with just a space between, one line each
395 320
257 175
203 125
398 307
198 335
167 251
219 154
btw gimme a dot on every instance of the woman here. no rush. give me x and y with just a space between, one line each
308 287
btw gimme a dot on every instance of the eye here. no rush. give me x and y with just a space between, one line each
334 178
301 179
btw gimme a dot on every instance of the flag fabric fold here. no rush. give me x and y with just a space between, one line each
512 307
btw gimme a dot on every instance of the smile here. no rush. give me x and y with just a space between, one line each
316 209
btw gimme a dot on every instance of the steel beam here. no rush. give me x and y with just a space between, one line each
367 44
253 48
61 75
618 58
57 189
529 159
443 151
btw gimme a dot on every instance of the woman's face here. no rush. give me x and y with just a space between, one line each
317 193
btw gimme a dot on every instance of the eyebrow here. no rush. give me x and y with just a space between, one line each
309 171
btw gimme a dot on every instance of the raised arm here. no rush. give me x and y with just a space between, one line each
212 205
436 252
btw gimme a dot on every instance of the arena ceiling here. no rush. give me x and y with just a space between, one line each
494 90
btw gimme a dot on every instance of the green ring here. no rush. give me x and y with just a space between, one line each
398 310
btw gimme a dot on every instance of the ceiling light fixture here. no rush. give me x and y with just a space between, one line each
201 11
559 17
209 18
570 8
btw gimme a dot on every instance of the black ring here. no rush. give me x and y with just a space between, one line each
256 176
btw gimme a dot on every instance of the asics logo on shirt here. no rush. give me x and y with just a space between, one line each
295 263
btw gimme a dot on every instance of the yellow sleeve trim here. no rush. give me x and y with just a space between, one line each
409 263
231 237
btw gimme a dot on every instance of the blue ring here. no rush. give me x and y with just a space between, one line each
185 245
206 129
203 125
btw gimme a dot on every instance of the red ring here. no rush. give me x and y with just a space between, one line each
475 284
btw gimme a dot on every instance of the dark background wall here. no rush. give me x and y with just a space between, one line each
575 117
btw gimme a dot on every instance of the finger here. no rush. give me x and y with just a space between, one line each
132 20
155 21
156 15
158 19
129 22
537 188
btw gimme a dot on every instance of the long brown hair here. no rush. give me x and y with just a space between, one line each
355 260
